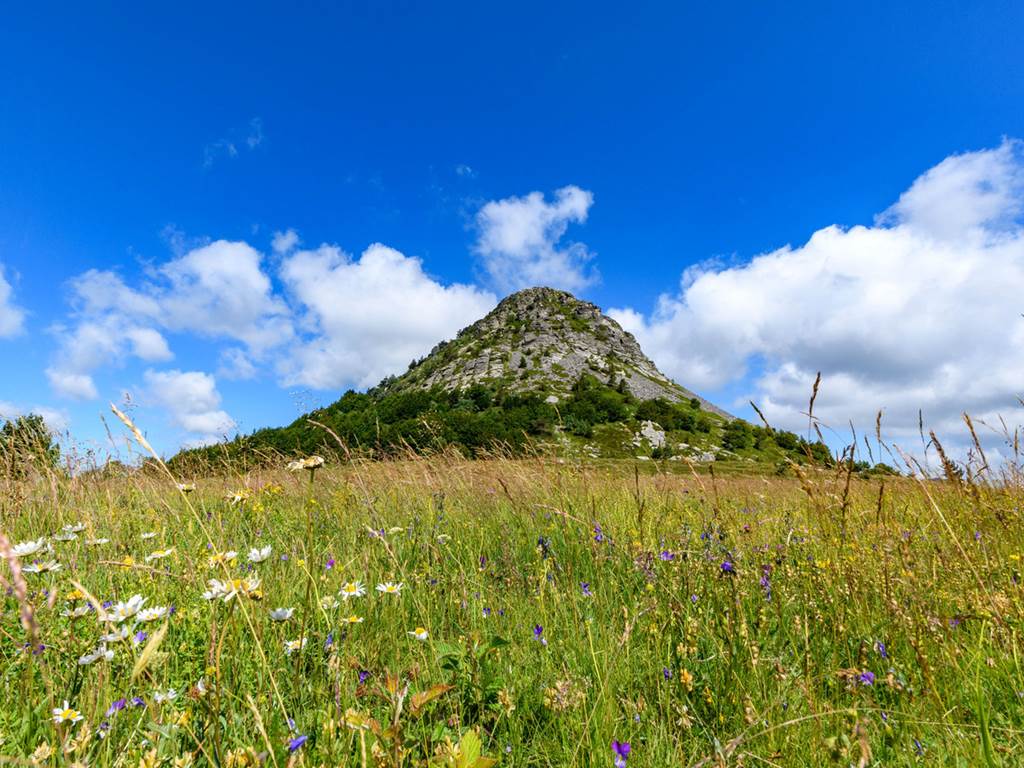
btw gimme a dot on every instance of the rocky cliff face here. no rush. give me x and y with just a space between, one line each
542 339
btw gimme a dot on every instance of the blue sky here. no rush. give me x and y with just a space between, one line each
681 135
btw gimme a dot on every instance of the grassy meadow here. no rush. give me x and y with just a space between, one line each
538 611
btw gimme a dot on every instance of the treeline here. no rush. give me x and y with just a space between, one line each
481 419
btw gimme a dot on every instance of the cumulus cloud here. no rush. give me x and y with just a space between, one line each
922 310
218 290
519 241
192 400
284 241
56 421
369 317
12 317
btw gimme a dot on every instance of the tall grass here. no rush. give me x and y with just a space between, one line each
704 620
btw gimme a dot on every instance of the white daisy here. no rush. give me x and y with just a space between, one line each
125 610
148 535
290 646
390 588
186 487
329 602
118 635
74 528
161 696
259 555
66 714
65 535
76 613
352 589
353 619
420 634
93 656
155 613
281 614
225 558
46 566
97 542
29 548
159 554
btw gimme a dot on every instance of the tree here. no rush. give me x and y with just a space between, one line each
26 444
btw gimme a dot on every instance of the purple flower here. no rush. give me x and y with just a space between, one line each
329 641
727 567
296 743
585 586
880 647
666 673
598 533
328 565
538 634
140 637
487 612
867 677
667 556
621 751
117 706
138 701
363 676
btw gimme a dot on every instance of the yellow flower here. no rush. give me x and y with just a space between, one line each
420 634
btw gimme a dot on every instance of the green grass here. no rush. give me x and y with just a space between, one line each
690 664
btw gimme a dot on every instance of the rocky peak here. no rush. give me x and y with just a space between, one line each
542 339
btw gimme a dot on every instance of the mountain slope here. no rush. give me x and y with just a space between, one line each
543 370
543 340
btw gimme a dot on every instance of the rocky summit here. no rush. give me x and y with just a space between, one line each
543 340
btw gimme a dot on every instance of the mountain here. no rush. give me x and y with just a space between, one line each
542 371
543 340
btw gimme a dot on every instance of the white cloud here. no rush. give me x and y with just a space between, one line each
12 317
55 420
369 317
228 147
921 310
284 241
216 290
519 240
192 399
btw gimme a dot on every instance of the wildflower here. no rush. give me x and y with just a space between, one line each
76 613
290 646
727 567
159 554
259 555
329 602
866 678
169 695
598 533
155 613
116 707
118 635
66 714
353 619
237 497
390 588
538 634
667 556
666 673
281 614
621 751
65 535
329 564
585 588
139 638
228 590
186 487
420 634
312 463
46 566
29 548
356 720
880 648
125 610
148 535
353 589
296 743
97 542
223 558
93 656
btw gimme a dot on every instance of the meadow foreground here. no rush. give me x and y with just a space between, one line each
519 613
